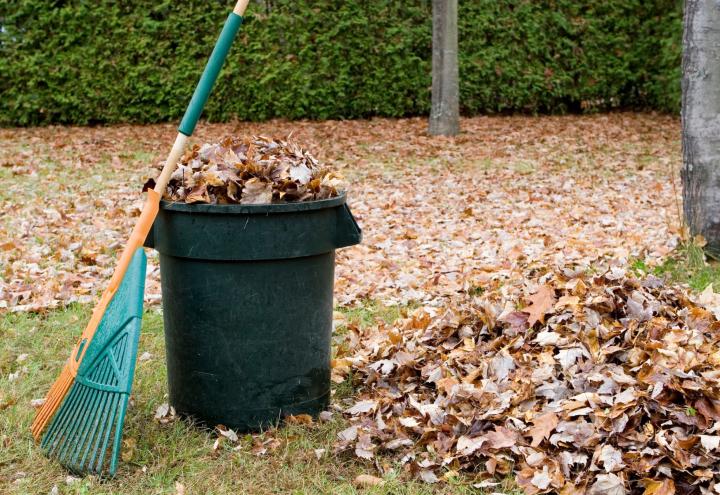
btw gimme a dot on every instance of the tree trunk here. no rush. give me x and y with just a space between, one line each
445 109
701 121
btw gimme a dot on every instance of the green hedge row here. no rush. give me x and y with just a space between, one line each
83 61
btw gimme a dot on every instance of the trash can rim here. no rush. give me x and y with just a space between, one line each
262 209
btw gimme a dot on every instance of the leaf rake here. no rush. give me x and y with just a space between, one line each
87 402
89 423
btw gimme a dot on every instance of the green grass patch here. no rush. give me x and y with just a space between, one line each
157 456
369 312
688 264
523 167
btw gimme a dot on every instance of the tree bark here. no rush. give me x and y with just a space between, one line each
445 108
701 121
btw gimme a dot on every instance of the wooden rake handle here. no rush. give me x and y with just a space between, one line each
152 202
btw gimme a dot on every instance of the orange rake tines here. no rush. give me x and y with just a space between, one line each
55 395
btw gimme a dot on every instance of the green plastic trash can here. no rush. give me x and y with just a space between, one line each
247 295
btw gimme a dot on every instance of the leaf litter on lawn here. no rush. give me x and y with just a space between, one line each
617 391
593 384
439 215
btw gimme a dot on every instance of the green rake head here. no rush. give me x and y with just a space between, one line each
88 425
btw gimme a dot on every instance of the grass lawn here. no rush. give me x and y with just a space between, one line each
156 456
162 459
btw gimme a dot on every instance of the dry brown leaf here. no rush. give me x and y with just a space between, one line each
367 480
129 446
608 484
364 447
300 419
659 487
542 427
466 446
255 191
362 407
541 303
165 414
501 438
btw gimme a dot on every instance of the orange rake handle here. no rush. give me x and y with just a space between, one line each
137 238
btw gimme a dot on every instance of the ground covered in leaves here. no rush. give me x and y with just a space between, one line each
531 349
439 215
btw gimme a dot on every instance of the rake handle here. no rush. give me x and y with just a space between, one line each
202 92
212 69
152 201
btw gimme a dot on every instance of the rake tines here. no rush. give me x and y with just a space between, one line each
86 432
93 414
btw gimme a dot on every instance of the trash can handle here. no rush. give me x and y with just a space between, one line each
348 232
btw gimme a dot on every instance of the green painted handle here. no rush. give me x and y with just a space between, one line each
212 69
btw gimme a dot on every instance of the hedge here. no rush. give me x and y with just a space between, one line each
103 61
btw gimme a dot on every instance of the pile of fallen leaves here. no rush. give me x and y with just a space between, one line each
576 383
253 170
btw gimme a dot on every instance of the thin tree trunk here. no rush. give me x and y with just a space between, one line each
701 121
445 109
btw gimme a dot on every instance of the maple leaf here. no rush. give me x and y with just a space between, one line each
364 447
300 419
428 476
659 487
301 173
611 458
129 446
501 438
518 320
542 427
541 479
227 433
466 445
199 194
541 303
165 413
362 407
348 434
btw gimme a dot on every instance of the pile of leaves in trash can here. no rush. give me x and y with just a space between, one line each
574 383
252 170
